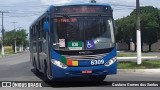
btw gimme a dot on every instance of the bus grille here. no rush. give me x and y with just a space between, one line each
86 57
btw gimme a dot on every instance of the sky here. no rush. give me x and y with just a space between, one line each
24 12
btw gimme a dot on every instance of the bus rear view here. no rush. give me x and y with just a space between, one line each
81 42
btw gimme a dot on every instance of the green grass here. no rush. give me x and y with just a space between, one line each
8 50
126 54
147 64
130 54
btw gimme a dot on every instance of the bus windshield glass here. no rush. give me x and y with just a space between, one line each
83 33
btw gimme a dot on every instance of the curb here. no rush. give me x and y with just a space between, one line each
143 57
139 70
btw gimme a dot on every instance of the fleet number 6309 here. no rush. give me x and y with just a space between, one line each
97 62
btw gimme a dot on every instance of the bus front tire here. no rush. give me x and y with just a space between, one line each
97 78
46 76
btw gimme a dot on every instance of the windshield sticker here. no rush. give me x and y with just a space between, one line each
89 44
75 45
62 43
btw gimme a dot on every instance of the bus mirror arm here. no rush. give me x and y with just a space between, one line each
54 44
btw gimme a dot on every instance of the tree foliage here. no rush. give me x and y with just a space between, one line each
20 36
9 38
150 26
126 28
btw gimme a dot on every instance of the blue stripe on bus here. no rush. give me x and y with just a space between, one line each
110 55
55 55
84 63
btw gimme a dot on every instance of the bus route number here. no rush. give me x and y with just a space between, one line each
97 62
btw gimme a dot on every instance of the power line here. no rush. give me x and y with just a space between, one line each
30 13
23 5
122 5
38 9
25 16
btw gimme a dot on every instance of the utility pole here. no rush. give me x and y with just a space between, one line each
2 46
15 46
138 27
21 45
93 1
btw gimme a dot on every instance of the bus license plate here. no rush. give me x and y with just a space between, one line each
86 71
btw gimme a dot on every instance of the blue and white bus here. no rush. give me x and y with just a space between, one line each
74 40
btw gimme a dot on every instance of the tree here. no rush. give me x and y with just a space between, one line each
9 38
150 24
126 26
20 36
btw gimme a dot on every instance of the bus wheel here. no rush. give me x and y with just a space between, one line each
97 78
47 77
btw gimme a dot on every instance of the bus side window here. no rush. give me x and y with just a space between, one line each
34 47
40 46
30 37
43 31
38 30
33 33
34 39
44 34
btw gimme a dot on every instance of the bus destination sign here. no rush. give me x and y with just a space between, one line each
81 9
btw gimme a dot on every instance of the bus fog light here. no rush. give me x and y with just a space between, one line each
111 61
59 64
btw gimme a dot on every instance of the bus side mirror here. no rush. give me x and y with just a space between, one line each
46 26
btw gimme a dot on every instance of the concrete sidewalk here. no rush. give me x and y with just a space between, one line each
139 70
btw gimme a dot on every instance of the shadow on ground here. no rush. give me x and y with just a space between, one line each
78 84
72 82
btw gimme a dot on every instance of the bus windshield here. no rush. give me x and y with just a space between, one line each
83 33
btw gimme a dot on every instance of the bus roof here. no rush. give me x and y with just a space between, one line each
77 4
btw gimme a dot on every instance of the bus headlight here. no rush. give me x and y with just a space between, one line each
110 62
59 64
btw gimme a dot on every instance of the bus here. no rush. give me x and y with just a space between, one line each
74 40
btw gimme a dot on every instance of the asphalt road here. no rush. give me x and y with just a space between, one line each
18 68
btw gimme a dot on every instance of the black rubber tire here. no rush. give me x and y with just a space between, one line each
97 78
46 79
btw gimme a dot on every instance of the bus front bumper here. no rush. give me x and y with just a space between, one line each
99 70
